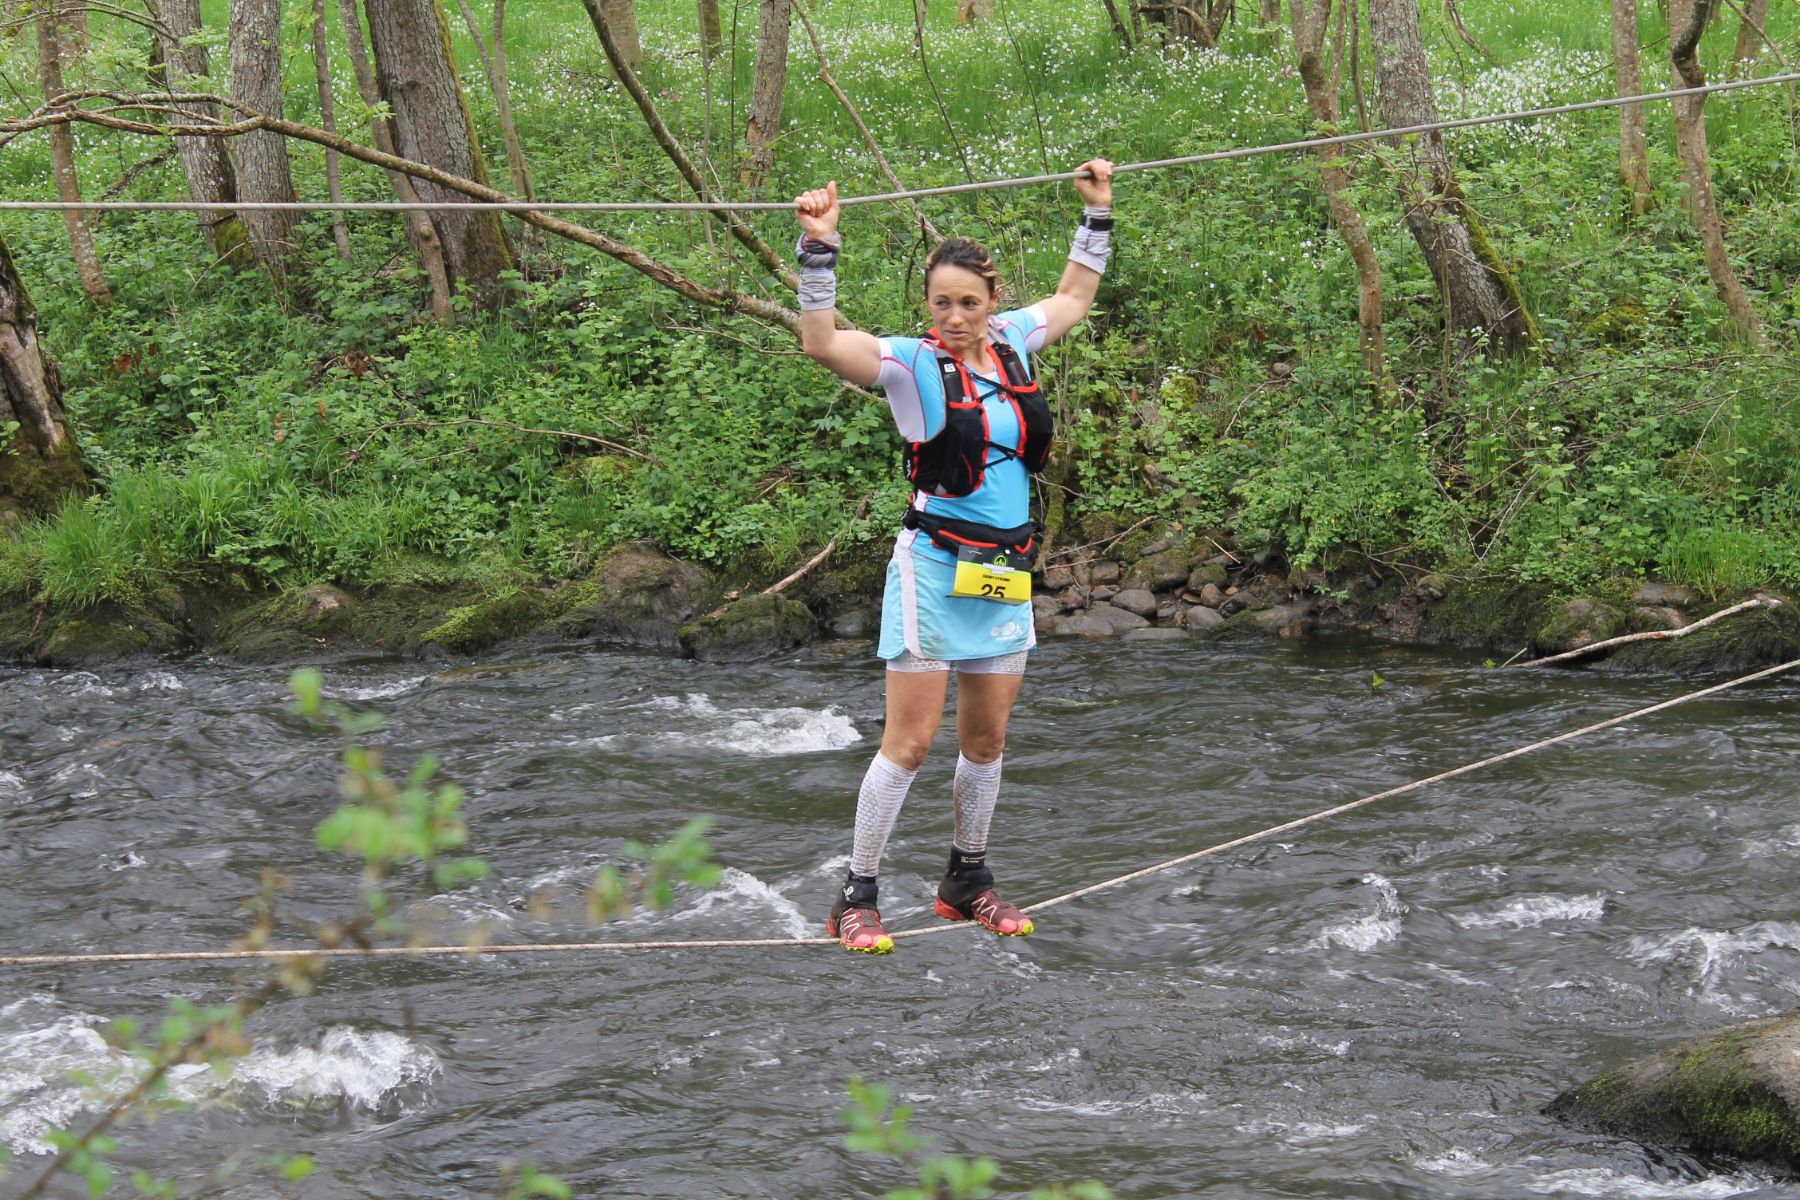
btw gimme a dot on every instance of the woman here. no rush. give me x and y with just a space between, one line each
958 586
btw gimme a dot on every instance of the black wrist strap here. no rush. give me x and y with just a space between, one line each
1096 222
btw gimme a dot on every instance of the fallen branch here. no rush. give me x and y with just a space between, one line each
776 588
1656 635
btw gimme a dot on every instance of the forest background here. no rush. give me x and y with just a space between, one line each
307 401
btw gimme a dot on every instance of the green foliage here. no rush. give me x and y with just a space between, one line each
880 1127
333 433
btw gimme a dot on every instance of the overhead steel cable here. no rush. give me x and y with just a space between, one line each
484 951
1344 139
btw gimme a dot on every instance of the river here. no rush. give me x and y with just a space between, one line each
1375 1006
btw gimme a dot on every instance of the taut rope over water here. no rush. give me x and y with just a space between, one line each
40 960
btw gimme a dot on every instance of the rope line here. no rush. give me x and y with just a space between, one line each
478 951
1344 139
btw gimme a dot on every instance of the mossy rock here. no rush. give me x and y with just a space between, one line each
1581 622
1478 616
295 625
749 630
1750 640
1729 1097
1621 324
638 597
105 635
480 626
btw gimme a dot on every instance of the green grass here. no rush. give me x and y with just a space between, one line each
230 429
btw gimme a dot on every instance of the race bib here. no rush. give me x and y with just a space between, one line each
991 575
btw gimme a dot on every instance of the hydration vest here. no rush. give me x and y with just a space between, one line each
954 461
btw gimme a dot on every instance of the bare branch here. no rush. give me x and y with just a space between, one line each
636 259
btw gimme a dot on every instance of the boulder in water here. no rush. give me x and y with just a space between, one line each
638 597
750 629
1732 1096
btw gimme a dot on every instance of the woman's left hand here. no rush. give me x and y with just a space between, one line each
1098 189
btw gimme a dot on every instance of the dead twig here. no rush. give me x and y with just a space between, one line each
1656 635
782 585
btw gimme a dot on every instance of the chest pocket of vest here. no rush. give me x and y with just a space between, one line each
953 462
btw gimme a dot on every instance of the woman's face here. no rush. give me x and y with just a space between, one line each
959 303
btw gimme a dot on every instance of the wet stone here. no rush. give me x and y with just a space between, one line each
1136 600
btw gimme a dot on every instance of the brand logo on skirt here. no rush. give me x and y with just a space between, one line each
1009 630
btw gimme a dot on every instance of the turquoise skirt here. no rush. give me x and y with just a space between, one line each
919 614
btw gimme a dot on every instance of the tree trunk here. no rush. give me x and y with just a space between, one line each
493 61
1687 21
62 152
1322 98
417 77
263 172
1197 21
334 181
420 230
1269 17
712 37
764 125
621 18
204 161
1752 24
1634 157
973 10
1480 297
39 460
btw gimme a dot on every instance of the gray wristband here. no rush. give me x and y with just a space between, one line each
1093 238
818 288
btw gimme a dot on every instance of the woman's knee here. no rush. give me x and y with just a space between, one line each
983 747
906 751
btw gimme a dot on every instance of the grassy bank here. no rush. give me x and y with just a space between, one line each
329 434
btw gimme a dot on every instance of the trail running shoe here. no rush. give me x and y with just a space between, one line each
967 894
854 920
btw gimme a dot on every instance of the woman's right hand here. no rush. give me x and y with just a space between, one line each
819 210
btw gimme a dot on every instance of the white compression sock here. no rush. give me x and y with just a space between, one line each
976 790
877 808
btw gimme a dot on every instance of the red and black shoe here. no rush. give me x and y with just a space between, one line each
967 894
854 920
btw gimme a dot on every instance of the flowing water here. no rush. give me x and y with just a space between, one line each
1376 1006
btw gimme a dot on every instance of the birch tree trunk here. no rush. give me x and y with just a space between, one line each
41 463
712 37
264 174
764 125
1480 297
417 77
204 162
1322 98
1751 25
1634 157
419 228
1687 21
334 180
48 14
621 18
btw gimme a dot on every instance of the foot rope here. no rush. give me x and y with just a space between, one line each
476 951
520 206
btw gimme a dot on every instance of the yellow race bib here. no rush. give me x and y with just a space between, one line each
991 575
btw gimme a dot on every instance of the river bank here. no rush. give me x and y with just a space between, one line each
1144 582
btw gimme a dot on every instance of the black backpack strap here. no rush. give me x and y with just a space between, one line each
950 534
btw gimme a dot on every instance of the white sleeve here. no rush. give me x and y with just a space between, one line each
898 379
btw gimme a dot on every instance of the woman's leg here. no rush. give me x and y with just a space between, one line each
984 704
915 708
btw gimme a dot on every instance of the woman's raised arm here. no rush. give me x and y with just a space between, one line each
1080 281
849 353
